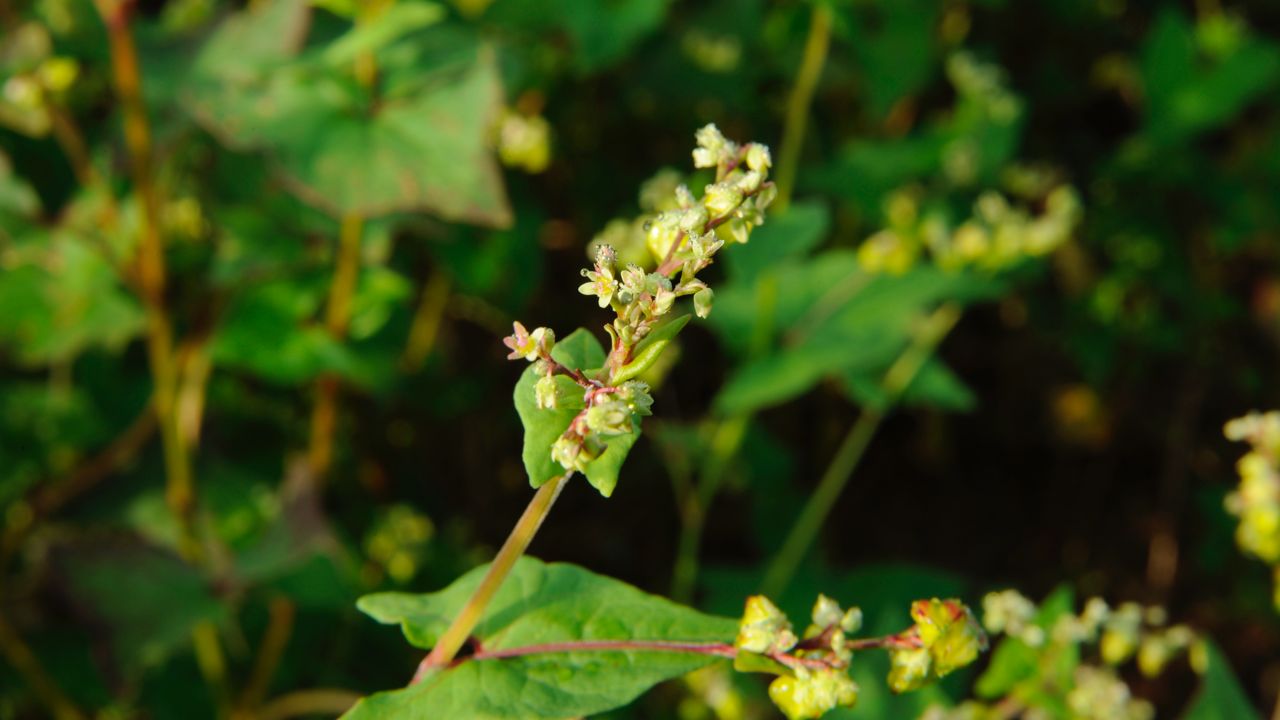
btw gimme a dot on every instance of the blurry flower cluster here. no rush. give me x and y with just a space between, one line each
36 80
524 141
1257 499
997 236
1091 689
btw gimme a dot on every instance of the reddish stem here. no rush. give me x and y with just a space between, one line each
903 640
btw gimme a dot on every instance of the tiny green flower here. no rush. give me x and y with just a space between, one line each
544 392
635 394
611 417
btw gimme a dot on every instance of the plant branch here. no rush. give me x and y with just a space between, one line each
896 381
517 542
815 56
426 322
715 649
274 640
324 414
180 492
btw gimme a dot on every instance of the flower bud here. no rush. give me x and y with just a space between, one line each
702 302
544 392
813 693
764 628
758 158
721 199
611 417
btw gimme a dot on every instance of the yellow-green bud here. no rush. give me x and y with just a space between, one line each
721 199
764 628
702 301
812 693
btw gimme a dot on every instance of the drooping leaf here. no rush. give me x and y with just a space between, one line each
540 604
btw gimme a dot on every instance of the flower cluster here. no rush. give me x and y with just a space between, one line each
949 638
1094 690
1257 500
812 670
812 673
684 233
997 236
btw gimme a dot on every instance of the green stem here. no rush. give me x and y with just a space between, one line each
724 446
815 56
426 322
179 479
517 542
854 446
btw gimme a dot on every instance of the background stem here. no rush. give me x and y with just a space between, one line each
896 380
324 414
815 56
179 480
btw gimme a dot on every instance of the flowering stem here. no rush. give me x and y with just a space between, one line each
517 542
815 56
715 649
896 381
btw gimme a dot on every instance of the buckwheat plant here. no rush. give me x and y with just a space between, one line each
1257 500
586 643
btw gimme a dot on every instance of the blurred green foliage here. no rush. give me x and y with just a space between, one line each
340 244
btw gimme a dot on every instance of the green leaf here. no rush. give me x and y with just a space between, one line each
59 297
422 145
539 604
1187 94
147 598
648 350
1220 696
855 324
542 426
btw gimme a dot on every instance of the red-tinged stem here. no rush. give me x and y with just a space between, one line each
901 641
